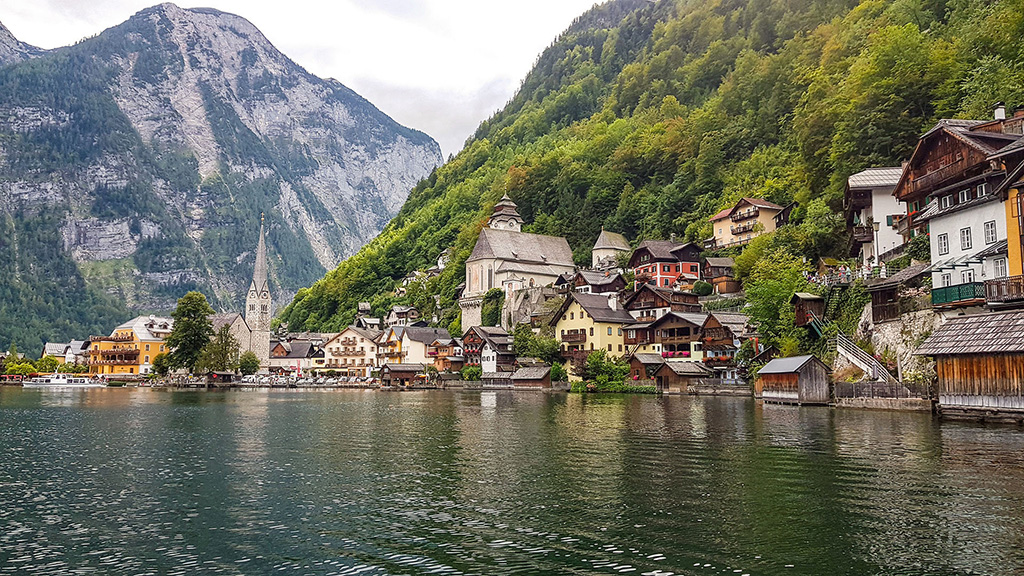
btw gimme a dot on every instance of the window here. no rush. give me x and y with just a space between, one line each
990 232
572 315
964 196
620 331
982 190
620 347
147 359
591 330
677 268
609 347
609 330
947 280
965 238
666 281
946 202
943 243
666 268
967 276
999 266
147 347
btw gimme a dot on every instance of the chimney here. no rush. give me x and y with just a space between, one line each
1000 111
672 237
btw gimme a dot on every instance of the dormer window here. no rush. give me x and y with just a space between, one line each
982 190
946 201
964 196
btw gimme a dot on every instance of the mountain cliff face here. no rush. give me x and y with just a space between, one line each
143 157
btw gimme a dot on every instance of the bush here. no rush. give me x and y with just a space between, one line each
919 248
702 288
612 388
558 373
248 363
471 373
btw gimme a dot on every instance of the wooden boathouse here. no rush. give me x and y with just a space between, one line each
979 362
794 380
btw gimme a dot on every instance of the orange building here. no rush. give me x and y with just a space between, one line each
130 348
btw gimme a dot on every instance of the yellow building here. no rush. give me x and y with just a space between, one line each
1015 231
130 348
748 219
588 322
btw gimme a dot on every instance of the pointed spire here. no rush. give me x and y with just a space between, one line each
259 275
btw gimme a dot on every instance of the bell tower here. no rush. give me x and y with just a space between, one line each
258 307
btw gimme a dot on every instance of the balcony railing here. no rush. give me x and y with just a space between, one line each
745 214
742 228
927 182
125 353
574 337
863 234
1004 290
959 294
123 338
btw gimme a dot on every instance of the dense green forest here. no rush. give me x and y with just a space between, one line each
647 118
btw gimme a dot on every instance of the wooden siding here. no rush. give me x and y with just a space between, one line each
811 385
990 381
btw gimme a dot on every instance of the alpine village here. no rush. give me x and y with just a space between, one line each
659 210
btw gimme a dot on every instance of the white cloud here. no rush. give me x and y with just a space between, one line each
441 66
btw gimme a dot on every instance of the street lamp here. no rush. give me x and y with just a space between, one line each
874 225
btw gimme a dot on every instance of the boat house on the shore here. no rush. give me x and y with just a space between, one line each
979 362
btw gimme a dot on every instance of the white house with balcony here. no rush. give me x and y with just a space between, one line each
871 214
967 229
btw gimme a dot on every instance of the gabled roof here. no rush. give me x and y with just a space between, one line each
532 373
646 358
734 321
695 318
759 202
887 177
611 241
804 296
521 247
597 308
425 335
220 320
145 326
684 368
661 250
593 278
720 262
405 367
55 348
724 213
979 334
788 365
295 349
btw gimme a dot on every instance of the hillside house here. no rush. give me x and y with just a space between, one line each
401 316
649 303
664 263
297 357
594 282
741 223
588 322
871 214
130 348
677 335
489 347
721 273
447 354
1007 290
721 336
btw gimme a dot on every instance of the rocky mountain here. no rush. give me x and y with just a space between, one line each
139 161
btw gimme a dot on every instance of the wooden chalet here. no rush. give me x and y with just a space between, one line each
887 292
794 380
643 366
952 154
593 282
677 377
807 307
678 334
721 336
721 273
402 375
533 377
980 366
649 303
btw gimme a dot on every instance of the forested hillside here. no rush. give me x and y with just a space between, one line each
647 118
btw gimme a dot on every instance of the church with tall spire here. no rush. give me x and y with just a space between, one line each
258 305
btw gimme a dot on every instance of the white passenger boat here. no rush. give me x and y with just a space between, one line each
63 381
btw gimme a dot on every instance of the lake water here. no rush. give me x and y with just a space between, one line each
359 482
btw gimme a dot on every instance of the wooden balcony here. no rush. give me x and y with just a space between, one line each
125 338
863 234
746 214
742 229
574 337
929 181
126 352
967 294
1005 290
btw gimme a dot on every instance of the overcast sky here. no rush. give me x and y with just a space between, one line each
441 66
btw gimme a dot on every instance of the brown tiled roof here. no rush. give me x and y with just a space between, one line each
683 368
723 214
978 334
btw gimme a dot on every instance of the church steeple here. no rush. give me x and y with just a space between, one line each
506 216
257 301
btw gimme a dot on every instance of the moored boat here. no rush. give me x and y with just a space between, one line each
62 381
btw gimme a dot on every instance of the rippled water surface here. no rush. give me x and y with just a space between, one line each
352 482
